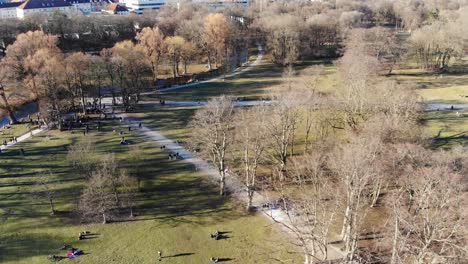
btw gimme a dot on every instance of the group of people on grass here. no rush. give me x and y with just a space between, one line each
217 236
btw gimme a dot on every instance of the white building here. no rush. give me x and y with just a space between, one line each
8 10
42 6
138 5
88 6
218 4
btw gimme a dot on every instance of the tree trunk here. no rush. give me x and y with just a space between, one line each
222 182
376 193
209 62
307 259
11 115
52 209
104 219
345 229
395 242
250 193
83 101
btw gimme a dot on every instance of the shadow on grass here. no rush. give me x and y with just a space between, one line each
179 255
225 259
448 142
20 245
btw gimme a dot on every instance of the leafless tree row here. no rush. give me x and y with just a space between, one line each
364 153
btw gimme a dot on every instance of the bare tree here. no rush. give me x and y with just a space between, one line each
428 222
111 71
77 67
354 165
175 46
128 192
136 154
129 66
46 189
283 37
252 140
97 200
282 123
212 133
310 206
312 99
109 167
82 156
436 44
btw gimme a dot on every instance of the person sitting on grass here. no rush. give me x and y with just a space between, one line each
123 141
216 235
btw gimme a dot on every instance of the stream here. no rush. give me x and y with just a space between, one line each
24 111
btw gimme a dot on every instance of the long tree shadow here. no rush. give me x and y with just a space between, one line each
179 255
225 259
442 142
21 245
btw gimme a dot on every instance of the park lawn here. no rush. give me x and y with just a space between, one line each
16 130
255 84
176 211
451 87
172 122
446 128
165 71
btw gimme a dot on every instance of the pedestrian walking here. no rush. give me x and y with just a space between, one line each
159 255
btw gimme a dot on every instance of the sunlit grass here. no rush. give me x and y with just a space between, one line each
176 210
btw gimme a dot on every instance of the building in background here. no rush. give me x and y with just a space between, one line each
115 9
139 5
218 4
88 6
42 6
8 10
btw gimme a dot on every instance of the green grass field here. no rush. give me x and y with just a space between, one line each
176 211
445 127
14 131
251 85
441 88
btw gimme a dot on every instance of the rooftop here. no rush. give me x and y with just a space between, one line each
10 4
36 4
115 8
